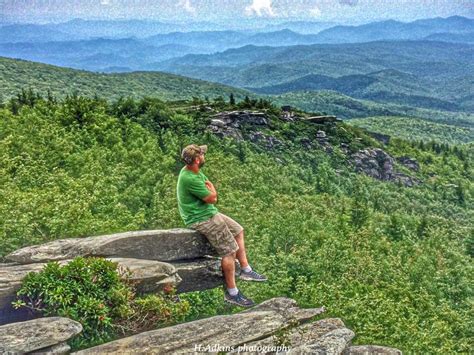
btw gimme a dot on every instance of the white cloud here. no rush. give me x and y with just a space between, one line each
260 8
187 6
105 2
315 12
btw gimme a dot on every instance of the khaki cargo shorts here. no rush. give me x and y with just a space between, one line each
221 231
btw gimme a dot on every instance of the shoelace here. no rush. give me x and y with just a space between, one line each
255 274
241 297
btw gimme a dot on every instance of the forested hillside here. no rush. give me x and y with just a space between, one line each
325 101
20 74
394 262
415 129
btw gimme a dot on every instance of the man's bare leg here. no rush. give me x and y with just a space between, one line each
241 255
232 294
228 268
246 271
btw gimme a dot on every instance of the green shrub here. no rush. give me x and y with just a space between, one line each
98 294
88 290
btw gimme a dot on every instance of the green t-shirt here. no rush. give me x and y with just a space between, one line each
190 191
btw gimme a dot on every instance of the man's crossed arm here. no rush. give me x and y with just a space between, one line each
212 197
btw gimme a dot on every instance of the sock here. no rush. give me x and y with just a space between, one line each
247 268
233 291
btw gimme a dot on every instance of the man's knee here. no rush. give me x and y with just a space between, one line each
230 256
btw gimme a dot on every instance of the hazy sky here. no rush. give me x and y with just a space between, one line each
203 10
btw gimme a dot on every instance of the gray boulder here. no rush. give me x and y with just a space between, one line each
238 118
267 141
186 338
228 124
163 245
323 141
296 336
331 343
227 331
320 134
410 163
374 162
40 335
58 349
378 164
371 350
288 308
199 274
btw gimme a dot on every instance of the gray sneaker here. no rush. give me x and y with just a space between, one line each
252 276
239 299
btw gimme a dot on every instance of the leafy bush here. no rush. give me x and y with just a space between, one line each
99 294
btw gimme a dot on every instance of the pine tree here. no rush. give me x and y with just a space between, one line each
14 106
241 152
247 101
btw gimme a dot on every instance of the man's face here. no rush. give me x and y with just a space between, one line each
202 160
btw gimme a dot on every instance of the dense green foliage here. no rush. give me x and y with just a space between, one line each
96 293
19 74
415 129
395 263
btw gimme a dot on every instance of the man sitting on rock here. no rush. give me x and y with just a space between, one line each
197 197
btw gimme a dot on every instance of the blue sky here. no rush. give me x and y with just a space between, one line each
356 11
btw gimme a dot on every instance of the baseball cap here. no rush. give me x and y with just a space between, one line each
192 151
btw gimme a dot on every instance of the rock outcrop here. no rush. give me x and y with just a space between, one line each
323 141
228 124
162 245
268 141
156 258
327 119
199 274
229 331
371 349
378 164
275 325
39 336
410 163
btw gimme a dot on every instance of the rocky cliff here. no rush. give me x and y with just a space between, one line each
156 258
275 326
179 257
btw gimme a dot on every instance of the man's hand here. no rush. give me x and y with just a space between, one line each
210 186
212 198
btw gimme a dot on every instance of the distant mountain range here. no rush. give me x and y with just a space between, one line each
144 45
395 30
424 64
95 54
79 29
423 73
